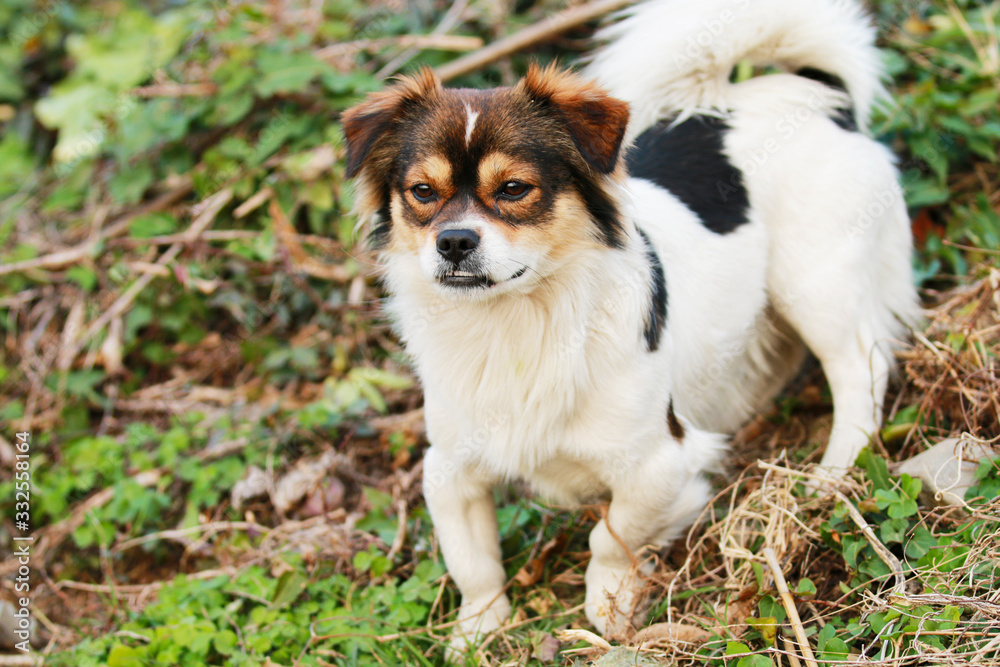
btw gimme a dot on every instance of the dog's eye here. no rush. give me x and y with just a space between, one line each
514 190
423 192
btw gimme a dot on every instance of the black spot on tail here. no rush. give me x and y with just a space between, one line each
656 317
846 117
688 160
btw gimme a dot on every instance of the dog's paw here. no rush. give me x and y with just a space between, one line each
613 595
477 619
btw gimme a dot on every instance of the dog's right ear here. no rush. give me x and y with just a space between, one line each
369 121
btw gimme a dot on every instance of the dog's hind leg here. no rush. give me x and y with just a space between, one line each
464 514
858 374
851 333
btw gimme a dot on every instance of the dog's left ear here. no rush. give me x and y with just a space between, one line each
595 120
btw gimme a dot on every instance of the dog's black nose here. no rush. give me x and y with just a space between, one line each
457 244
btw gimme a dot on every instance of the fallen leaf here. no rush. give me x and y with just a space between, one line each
533 569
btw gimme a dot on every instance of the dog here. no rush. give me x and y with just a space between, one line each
599 275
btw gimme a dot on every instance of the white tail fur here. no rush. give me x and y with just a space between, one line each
677 55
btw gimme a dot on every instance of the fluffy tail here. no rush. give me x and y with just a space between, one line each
677 55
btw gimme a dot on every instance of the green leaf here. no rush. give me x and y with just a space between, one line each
933 153
921 542
771 608
910 486
290 586
894 530
362 561
735 648
84 276
755 661
125 656
981 101
877 469
130 184
829 645
225 642
805 587
852 548
283 72
923 191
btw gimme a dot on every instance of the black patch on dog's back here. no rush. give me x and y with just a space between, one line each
846 118
656 317
688 160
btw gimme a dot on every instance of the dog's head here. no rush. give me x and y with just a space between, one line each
487 190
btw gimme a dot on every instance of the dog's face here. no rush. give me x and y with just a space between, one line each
487 190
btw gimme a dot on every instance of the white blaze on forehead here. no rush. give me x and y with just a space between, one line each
470 123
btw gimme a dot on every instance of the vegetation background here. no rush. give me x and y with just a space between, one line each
226 437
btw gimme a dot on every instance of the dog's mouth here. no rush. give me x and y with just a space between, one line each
469 280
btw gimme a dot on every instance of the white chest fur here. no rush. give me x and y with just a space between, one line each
518 383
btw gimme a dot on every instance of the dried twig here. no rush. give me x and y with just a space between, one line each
887 557
534 34
789 605
449 21
301 260
209 210
423 42
129 589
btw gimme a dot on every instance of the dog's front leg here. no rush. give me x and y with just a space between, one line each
614 573
654 504
464 515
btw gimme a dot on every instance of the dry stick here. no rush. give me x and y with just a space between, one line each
891 561
210 528
539 32
792 658
449 20
789 604
72 255
425 42
210 209
129 589
52 260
